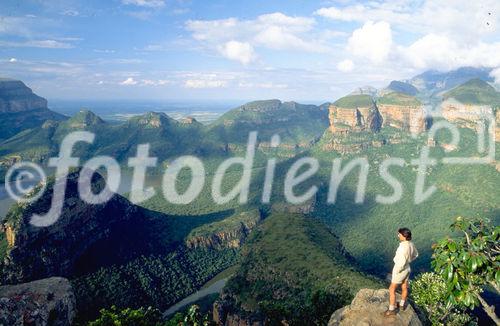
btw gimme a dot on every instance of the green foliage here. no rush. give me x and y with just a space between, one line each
469 262
232 223
128 317
297 124
3 245
396 98
156 280
354 101
192 317
294 268
475 91
428 291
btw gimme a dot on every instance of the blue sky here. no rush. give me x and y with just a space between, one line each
292 50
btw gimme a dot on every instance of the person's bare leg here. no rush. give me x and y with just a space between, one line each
404 293
392 301
392 294
404 290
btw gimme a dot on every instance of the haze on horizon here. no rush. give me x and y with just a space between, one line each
220 50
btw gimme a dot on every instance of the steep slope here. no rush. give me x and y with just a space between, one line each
352 112
402 111
21 109
475 92
461 190
113 253
293 268
297 124
83 238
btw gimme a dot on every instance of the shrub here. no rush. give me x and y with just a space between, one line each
429 292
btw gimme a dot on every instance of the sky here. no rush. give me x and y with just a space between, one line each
308 51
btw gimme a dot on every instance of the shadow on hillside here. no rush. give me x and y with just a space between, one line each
149 233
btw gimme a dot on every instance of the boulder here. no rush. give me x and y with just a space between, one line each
48 301
367 309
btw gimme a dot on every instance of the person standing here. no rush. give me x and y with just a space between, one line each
405 254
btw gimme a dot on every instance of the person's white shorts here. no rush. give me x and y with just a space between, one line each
400 277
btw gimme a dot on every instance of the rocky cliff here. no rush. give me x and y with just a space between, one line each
468 115
44 302
411 118
21 109
81 239
408 115
15 96
228 233
344 119
367 309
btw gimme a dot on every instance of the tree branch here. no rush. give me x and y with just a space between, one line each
495 286
490 310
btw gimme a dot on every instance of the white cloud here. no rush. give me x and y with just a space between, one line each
272 31
238 51
267 85
145 3
495 73
47 44
150 82
345 65
203 83
12 60
129 81
373 41
361 13
459 19
441 52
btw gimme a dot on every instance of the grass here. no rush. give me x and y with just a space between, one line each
475 91
396 98
354 101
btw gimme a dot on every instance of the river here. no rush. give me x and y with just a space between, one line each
215 287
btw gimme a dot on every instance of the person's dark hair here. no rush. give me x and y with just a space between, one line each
405 232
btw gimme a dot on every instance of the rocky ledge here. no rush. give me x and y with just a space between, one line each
48 301
367 309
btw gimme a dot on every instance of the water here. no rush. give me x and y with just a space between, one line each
216 287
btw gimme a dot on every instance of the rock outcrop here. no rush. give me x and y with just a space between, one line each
44 302
361 112
468 115
411 118
228 233
367 308
343 120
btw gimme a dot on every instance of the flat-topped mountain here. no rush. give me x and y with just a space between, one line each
21 109
470 102
360 112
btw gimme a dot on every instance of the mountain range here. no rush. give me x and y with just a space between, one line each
289 262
